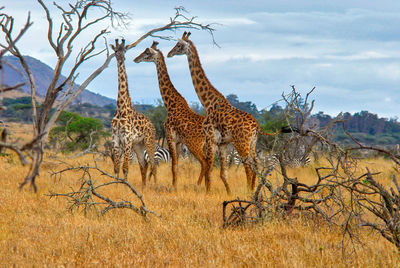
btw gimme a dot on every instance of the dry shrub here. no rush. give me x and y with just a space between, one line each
343 193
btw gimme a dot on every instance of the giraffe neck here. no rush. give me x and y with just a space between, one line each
170 95
123 100
209 96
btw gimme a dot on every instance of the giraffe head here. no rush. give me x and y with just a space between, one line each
182 47
119 49
150 54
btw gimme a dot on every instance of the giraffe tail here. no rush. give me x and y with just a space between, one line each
284 129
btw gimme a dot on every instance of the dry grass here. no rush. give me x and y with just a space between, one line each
36 230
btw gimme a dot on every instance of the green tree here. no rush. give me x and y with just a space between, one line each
198 108
271 121
75 132
157 116
246 106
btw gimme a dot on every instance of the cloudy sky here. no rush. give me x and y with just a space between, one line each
348 50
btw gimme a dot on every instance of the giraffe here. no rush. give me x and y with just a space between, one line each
130 130
224 123
182 126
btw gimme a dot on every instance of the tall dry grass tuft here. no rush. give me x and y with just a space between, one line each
36 230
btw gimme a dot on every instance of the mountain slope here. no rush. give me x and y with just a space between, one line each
43 74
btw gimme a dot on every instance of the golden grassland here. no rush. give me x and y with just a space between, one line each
36 230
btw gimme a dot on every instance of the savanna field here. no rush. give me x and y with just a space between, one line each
36 230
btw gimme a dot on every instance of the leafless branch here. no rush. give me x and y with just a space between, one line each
340 195
5 89
77 20
91 194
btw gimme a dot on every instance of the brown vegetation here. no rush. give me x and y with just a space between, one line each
37 230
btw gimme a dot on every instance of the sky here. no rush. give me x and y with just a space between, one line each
348 50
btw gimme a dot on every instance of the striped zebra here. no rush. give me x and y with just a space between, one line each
298 162
161 154
185 153
269 160
273 159
233 158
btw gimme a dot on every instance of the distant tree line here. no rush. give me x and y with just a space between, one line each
368 128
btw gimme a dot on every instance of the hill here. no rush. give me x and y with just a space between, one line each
43 74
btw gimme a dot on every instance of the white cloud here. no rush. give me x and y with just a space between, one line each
232 21
390 71
365 55
352 55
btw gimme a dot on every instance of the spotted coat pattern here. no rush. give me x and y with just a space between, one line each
130 130
182 125
224 123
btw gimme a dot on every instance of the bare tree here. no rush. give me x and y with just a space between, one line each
93 195
7 24
77 20
340 195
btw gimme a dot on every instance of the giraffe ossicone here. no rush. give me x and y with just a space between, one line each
182 125
131 130
224 123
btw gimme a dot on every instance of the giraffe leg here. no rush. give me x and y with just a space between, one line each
172 149
196 147
223 154
116 155
209 150
243 148
139 150
115 158
200 156
178 150
253 156
150 148
125 163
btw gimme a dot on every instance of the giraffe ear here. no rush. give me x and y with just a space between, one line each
112 46
154 45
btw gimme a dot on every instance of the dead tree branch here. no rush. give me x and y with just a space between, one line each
77 20
93 195
340 195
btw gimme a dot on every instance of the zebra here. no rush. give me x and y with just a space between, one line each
268 162
298 162
293 162
161 154
233 158
185 153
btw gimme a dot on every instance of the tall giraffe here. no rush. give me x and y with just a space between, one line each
130 130
182 126
224 123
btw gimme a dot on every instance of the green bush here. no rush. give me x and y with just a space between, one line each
74 132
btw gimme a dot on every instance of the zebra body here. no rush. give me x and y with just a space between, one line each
161 154
233 158
269 160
